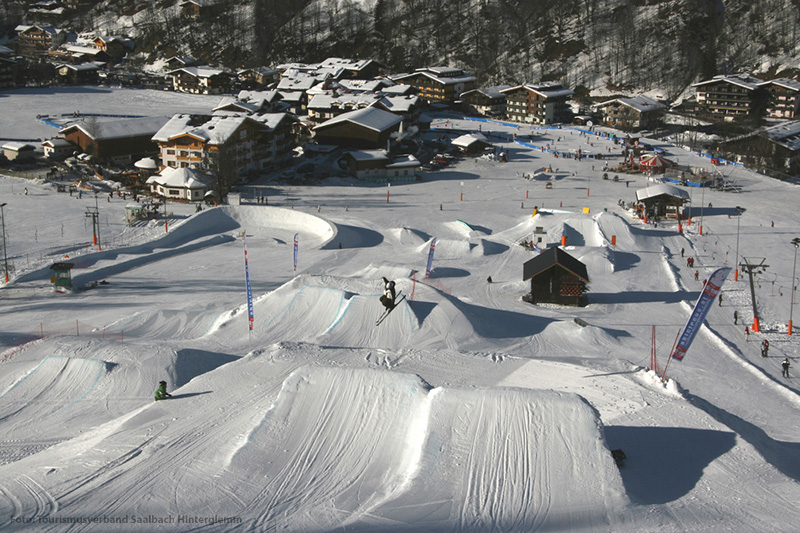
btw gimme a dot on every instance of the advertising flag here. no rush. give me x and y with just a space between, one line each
247 281
710 291
296 237
430 258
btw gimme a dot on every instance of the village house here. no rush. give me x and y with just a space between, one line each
178 184
200 80
363 128
81 74
776 148
471 143
364 86
195 8
34 41
179 62
351 68
438 84
115 46
783 98
543 103
729 97
58 148
19 152
258 76
249 102
662 200
631 113
486 101
236 143
408 107
556 277
75 54
276 140
378 166
121 140
330 104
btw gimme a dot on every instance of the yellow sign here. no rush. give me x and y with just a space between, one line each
586 210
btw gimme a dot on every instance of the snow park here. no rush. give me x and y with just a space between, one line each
479 403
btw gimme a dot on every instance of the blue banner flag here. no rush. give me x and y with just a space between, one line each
430 259
710 291
296 237
247 280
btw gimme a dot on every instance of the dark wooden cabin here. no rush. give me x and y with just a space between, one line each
556 277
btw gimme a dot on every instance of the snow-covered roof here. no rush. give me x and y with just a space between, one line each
741 80
369 86
299 82
639 103
400 89
119 129
216 129
368 155
659 190
399 104
17 146
147 163
200 72
348 64
273 120
786 83
242 106
46 28
465 141
370 117
443 75
180 177
404 161
56 142
547 89
492 92
81 67
786 134
329 100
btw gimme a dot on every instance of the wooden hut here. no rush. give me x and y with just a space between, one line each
556 277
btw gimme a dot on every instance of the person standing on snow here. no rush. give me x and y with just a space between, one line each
161 391
389 295
785 366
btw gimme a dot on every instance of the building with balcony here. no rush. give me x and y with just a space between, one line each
729 97
543 103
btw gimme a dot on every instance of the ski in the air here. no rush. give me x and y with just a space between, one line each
386 313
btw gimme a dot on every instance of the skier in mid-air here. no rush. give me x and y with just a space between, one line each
389 295
161 391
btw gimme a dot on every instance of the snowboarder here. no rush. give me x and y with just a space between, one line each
389 294
161 391
785 364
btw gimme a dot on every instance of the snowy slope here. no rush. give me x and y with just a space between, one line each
467 409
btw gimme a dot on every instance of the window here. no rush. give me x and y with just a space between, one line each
170 152
174 192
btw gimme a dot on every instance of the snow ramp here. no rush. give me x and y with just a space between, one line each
49 390
374 449
332 316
